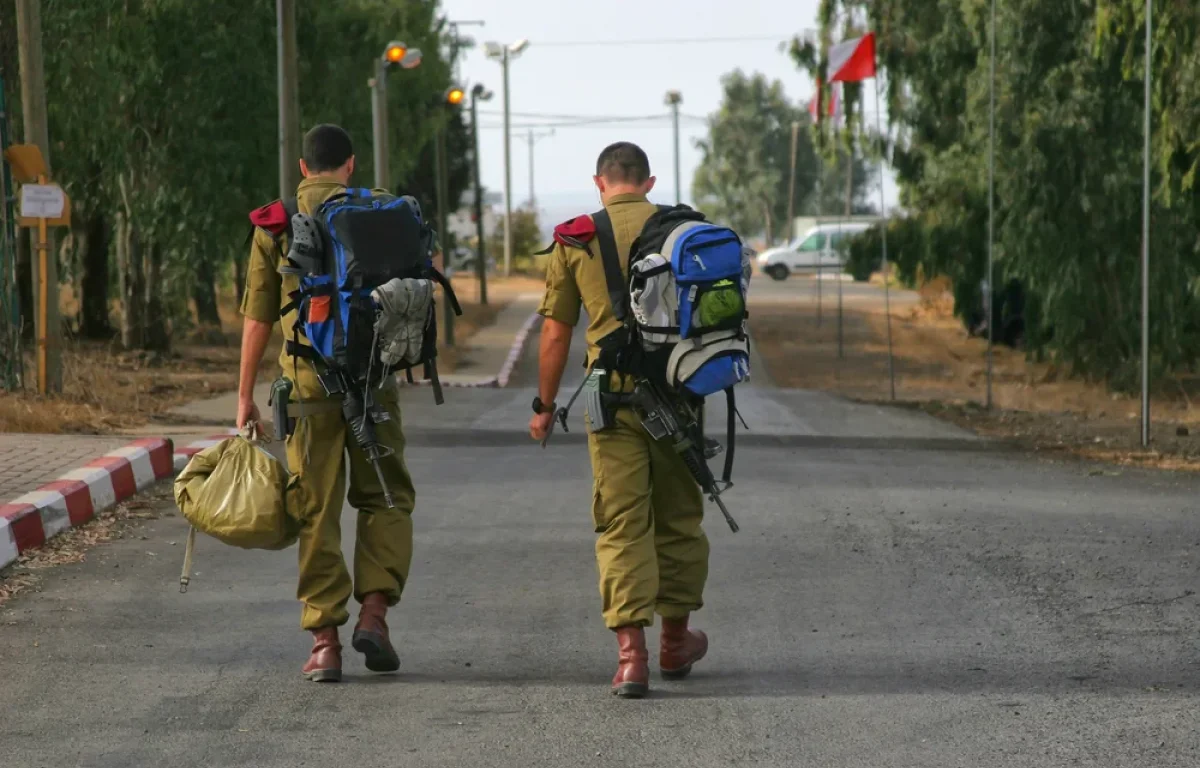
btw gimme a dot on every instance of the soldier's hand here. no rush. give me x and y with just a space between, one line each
248 411
540 424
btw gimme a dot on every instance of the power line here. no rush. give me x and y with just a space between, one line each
584 118
662 41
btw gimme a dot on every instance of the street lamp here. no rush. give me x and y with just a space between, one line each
395 54
452 98
504 54
673 100
478 94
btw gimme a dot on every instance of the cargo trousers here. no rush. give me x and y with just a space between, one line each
652 551
320 451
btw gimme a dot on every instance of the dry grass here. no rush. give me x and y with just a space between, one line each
940 368
72 545
107 390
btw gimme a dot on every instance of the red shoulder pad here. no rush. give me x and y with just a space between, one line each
575 232
271 217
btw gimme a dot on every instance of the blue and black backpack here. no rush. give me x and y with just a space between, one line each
683 306
355 242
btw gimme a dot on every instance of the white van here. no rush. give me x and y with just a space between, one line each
821 248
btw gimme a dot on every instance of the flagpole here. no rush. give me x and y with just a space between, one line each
1146 241
887 296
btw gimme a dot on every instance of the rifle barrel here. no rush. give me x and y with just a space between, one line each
733 526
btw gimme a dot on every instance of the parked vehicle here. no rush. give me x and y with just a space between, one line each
821 248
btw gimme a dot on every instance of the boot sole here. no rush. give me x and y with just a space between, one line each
630 690
682 672
324 676
379 656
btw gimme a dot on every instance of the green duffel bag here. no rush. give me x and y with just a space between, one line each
241 495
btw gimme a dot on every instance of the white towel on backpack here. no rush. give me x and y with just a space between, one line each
404 305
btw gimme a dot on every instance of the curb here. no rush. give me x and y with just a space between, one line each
29 520
502 376
183 455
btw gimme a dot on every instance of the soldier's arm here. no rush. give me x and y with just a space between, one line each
560 308
260 311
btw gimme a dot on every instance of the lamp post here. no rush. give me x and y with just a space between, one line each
673 100
394 55
504 54
478 94
453 97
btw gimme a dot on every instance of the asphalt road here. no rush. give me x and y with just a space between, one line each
900 595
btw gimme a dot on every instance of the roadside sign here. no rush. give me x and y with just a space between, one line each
42 201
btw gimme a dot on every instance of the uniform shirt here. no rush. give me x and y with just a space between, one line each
267 291
575 279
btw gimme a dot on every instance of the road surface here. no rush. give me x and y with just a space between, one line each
900 595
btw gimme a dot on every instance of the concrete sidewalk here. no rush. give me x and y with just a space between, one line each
487 357
29 461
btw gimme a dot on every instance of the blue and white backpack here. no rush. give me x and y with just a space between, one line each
684 304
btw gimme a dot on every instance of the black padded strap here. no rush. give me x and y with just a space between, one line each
730 433
618 292
447 289
296 349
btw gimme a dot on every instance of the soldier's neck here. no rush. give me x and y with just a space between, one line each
624 189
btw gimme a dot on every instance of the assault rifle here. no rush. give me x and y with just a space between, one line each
676 420
362 414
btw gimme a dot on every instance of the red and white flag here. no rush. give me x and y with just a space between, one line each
834 108
852 61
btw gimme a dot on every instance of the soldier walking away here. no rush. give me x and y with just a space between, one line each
651 548
322 449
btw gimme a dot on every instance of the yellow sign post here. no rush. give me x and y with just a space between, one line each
43 205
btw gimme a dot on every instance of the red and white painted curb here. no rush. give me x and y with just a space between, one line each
185 454
28 521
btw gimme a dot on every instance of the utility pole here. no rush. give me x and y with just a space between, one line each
673 100
478 93
379 126
1145 430
508 237
791 222
504 54
533 137
443 213
289 98
33 107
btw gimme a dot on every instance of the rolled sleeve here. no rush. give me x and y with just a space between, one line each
261 299
562 301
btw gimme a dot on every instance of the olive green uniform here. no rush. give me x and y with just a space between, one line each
317 450
652 551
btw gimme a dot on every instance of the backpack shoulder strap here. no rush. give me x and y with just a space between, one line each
618 292
291 206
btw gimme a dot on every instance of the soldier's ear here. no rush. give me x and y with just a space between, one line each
650 184
350 166
303 169
599 180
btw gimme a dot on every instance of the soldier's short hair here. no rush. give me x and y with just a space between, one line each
623 162
327 147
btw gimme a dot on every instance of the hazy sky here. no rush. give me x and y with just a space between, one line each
566 70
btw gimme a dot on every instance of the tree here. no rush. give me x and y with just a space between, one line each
164 128
527 237
744 174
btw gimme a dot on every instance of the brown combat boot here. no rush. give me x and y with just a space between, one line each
325 662
371 635
680 648
632 680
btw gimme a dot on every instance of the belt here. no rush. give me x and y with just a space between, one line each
313 408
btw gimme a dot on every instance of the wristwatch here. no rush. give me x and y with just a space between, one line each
539 407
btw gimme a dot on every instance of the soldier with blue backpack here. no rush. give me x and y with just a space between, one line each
665 295
348 274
